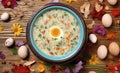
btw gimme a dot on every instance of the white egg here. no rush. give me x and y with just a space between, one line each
106 20
23 52
9 42
114 49
101 0
5 16
102 51
112 2
91 72
93 38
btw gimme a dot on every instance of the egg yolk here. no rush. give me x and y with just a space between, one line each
55 32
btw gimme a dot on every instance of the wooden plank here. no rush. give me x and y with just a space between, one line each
27 7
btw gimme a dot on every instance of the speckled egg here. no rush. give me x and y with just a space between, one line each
9 42
114 48
112 2
5 16
106 20
102 51
23 52
93 38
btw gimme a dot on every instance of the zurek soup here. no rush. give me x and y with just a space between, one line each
56 32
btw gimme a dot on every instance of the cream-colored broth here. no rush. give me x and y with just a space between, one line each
50 43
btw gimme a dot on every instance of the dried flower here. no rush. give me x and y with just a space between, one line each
16 29
2 56
41 67
78 67
53 0
90 26
117 22
99 30
20 43
94 60
9 3
53 69
111 35
114 68
1 28
69 1
20 69
115 12
85 9
67 70
29 63
98 11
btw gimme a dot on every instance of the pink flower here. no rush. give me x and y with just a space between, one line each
78 67
9 3
99 30
53 0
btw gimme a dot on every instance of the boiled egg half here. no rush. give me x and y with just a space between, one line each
56 32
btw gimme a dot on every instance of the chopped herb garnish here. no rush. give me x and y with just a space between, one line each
72 23
42 26
54 38
54 15
74 29
36 40
45 27
40 35
62 16
72 43
65 14
48 48
56 53
43 37
60 43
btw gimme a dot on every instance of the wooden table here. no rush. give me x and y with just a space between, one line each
25 9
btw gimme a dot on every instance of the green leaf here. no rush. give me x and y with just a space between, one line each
100 71
14 51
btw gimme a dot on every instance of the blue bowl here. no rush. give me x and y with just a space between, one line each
70 56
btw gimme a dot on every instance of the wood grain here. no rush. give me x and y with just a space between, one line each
27 8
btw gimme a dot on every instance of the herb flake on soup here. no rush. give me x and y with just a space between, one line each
56 32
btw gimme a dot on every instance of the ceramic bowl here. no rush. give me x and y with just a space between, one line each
72 55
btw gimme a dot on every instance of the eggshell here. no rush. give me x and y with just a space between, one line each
106 20
23 52
112 2
101 0
102 51
114 49
9 42
93 38
91 72
5 16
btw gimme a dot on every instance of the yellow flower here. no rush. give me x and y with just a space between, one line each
1 28
41 68
16 29
94 60
69 1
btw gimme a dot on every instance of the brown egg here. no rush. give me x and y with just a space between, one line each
114 49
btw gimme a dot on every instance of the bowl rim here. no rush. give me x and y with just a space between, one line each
30 43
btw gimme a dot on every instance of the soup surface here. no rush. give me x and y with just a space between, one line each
56 32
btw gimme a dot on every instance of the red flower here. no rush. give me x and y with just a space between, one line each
9 3
115 12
